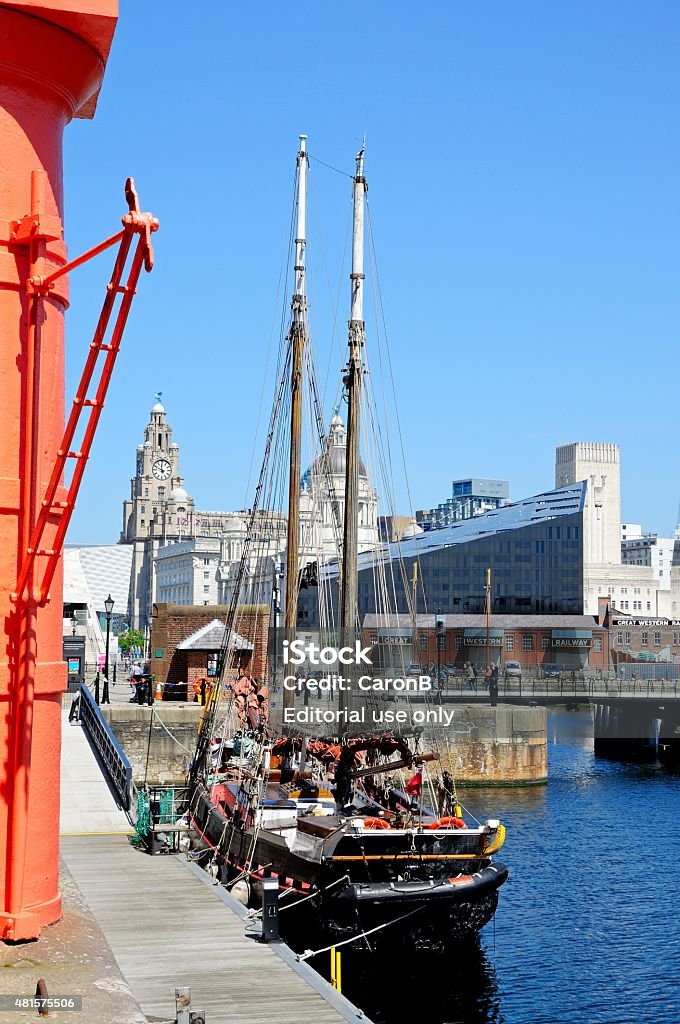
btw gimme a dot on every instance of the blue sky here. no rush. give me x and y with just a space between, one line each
522 161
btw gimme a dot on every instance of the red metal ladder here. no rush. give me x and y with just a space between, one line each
53 510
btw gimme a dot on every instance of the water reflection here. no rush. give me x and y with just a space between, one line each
587 929
457 988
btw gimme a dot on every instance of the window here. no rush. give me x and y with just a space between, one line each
636 590
676 639
146 492
373 639
206 590
142 522
206 561
459 643
527 643
628 638
649 606
619 637
597 643
206 575
624 590
422 641
509 641
545 643
657 639
645 640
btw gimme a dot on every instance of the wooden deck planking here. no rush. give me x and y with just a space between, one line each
166 929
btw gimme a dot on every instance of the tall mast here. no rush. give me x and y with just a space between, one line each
353 382
297 337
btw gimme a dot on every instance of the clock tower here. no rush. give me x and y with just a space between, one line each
158 510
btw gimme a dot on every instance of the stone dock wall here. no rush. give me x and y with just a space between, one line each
502 746
160 755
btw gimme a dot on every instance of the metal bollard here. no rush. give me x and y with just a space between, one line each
270 909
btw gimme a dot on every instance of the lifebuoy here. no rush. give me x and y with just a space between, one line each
376 823
448 822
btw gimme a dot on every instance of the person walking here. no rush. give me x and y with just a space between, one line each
493 686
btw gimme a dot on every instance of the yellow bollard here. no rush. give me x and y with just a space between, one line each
336 969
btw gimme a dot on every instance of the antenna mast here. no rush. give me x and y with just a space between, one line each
298 338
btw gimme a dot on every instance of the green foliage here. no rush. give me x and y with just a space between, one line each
131 638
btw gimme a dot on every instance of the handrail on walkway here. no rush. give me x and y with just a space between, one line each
111 755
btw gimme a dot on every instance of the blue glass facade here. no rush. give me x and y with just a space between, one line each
534 549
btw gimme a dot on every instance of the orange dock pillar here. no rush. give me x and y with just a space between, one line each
53 59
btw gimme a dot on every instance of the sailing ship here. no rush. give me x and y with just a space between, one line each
361 852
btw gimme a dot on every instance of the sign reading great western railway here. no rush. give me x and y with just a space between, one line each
646 622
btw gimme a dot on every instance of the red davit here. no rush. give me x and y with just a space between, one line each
53 59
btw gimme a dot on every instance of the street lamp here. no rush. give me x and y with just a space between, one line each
74 622
108 607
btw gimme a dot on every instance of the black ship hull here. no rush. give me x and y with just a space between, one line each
420 896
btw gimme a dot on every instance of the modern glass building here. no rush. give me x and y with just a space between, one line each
534 549
471 497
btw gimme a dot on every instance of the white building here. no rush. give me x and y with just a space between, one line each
200 563
322 501
651 550
599 465
159 514
92 573
632 588
186 572
630 531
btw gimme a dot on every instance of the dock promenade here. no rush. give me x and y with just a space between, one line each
168 926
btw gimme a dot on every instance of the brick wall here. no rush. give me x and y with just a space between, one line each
456 652
172 623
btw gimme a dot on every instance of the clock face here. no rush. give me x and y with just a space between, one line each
162 469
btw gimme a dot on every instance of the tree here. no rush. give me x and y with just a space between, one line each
132 638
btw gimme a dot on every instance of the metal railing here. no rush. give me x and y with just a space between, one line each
565 687
109 751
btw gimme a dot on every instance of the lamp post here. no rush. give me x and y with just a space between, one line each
74 622
108 607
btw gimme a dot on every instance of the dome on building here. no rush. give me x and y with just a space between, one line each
157 408
179 494
334 459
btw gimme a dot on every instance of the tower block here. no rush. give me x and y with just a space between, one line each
54 56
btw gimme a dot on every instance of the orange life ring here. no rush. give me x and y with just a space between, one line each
376 823
448 822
